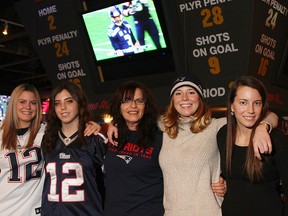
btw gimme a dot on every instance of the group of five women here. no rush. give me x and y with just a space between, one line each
160 165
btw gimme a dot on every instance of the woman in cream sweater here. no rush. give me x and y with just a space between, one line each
189 157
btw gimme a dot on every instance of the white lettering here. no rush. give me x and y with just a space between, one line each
214 92
190 6
214 38
221 49
46 11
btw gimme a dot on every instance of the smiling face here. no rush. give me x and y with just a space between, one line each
66 108
186 101
26 108
247 106
133 111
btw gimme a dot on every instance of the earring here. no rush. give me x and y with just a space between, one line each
232 113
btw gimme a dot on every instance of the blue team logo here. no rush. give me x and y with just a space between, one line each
126 158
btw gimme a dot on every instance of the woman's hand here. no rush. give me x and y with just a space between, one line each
92 128
112 134
261 141
220 187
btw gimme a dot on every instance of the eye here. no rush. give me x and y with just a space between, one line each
139 101
177 93
34 102
70 101
22 101
243 103
258 103
126 100
191 92
56 103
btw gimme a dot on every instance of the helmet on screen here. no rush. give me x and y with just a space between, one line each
116 15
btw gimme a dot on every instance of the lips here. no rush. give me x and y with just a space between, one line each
185 105
65 114
249 117
26 112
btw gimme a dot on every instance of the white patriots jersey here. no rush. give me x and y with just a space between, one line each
22 177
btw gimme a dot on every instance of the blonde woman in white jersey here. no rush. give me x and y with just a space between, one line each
21 159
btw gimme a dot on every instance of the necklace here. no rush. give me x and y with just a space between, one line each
67 140
22 136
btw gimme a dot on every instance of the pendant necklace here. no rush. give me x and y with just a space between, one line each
21 135
67 140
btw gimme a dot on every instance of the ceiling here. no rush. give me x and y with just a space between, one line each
18 60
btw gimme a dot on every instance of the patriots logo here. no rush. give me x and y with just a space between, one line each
64 156
180 79
126 158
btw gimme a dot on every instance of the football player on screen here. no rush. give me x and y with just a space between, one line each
120 34
143 20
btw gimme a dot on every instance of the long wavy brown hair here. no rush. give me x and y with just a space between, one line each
253 166
11 122
199 120
54 123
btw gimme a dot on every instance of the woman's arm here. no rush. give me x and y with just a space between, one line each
92 128
261 140
220 187
112 133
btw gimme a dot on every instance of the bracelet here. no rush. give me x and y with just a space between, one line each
268 124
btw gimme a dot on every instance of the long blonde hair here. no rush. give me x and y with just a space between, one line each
199 120
11 121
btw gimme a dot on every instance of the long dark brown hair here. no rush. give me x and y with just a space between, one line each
54 123
253 166
148 124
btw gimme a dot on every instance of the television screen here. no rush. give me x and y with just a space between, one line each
125 30
4 100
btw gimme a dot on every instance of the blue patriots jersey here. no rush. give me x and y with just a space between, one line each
70 186
121 37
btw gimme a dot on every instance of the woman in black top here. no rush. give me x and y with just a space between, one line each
252 185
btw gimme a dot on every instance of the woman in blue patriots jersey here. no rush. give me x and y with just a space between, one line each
71 160
133 178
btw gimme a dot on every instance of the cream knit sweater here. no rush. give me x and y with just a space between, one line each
190 163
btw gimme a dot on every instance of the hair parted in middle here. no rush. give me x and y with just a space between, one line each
253 165
11 121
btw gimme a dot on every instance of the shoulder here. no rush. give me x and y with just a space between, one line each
221 138
126 24
221 121
279 139
222 131
218 123
99 138
112 30
42 127
95 144
160 123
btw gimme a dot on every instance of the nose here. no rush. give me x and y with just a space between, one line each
62 105
27 105
133 103
184 96
251 108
